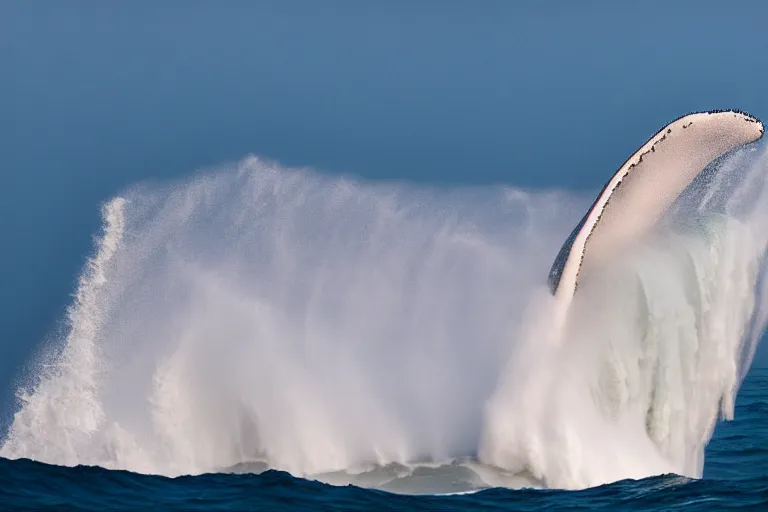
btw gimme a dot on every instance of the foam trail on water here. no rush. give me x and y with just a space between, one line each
254 316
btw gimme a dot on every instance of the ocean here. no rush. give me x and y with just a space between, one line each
734 479
291 255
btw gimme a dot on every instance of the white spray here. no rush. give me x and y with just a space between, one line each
325 326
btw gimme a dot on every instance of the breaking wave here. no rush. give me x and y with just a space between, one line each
395 336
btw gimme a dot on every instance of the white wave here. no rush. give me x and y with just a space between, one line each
329 326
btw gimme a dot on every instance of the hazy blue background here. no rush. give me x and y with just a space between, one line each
95 96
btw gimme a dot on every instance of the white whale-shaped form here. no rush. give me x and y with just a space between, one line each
644 187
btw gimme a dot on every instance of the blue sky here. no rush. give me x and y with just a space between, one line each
96 96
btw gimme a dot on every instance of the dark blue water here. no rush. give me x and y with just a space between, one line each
734 479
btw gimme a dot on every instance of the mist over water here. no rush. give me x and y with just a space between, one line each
257 316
